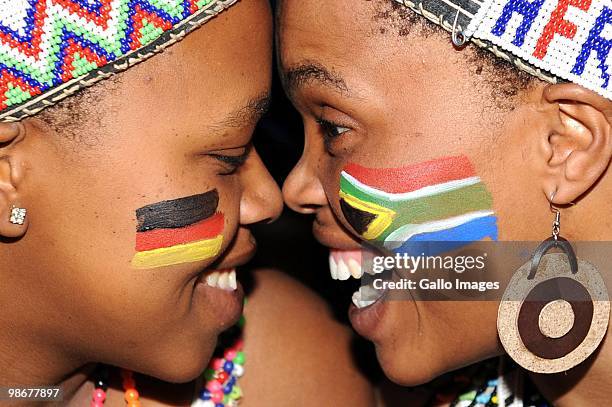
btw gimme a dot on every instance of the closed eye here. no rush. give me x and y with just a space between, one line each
233 162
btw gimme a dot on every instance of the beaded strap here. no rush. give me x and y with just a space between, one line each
49 49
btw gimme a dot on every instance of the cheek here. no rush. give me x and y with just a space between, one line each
437 200
177 231
229 205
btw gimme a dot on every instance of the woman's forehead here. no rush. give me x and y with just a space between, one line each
196 86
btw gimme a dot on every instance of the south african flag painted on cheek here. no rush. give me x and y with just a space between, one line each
436 201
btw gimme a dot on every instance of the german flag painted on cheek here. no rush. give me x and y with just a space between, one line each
178 231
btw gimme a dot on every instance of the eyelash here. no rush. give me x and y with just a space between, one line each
233 161
330 132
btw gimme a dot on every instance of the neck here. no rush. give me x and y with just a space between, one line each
27 362
588 384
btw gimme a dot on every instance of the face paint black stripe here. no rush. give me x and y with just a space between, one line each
358 219
177 213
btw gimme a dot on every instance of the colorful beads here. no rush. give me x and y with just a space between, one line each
130 394
221 377
214 386
480 390
98 395
566 38
230 354
45 44
217 364
220 387
239 359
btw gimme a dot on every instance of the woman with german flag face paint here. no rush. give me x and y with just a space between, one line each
125 210
414 135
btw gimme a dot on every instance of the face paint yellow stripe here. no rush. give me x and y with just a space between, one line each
178 254
383 219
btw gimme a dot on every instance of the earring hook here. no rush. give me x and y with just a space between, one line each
556 226
553 208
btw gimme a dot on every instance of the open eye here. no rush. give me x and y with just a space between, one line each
331 130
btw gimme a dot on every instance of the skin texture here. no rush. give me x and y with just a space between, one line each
155 133
311 362
289 343
69 292
392 101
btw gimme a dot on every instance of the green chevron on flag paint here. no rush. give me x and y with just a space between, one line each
439 200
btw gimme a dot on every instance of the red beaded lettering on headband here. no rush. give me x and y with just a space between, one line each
556 40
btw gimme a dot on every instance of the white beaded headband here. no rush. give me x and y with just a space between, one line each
555 40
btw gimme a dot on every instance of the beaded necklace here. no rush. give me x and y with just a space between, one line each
220 385
491 383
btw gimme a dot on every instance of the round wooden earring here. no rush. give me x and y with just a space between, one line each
554 312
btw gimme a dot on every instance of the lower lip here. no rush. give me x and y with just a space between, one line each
228 304
367 321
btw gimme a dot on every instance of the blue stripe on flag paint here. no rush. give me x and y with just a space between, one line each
434 243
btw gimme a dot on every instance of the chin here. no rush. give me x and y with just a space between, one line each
407 373
181 366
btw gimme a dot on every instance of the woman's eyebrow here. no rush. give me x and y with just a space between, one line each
307 72
246 115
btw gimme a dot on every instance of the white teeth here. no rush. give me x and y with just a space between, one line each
343 270
212 279
368 292
366 296
232 280
356 298
343 266
225 280
355 268
333 269
359 303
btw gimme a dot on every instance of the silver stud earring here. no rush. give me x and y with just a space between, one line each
17 215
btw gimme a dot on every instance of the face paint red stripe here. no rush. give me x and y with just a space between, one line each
158 238
411 178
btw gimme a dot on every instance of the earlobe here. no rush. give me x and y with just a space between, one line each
13 218
579 149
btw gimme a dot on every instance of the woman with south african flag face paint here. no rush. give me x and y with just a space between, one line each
125 211
414 135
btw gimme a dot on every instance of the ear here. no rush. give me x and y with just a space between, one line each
11 174
578 147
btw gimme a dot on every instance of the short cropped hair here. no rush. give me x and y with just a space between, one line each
504 79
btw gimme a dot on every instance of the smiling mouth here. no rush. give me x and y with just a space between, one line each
347 264
222 279
222 275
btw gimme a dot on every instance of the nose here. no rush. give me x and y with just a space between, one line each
261 197
302 190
